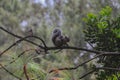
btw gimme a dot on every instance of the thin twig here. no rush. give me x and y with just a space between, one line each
90 44
18 41
17 57
72 68
98 55
108 68
19 37
10 72
25 72
87 74
21 55
97 68
40 40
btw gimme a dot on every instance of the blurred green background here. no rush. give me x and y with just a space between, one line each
42 16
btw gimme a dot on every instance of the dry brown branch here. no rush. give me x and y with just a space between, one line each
25 72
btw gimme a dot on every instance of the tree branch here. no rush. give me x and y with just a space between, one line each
19 37
87 74
25 72
10 72
98 55
17 57
97 68
108 68
75 48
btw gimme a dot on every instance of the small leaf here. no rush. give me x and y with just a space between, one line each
106 11
102 25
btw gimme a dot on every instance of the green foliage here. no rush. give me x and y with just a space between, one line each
104 31
91 18
106 11
112 77
35 71
102 25
117 32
